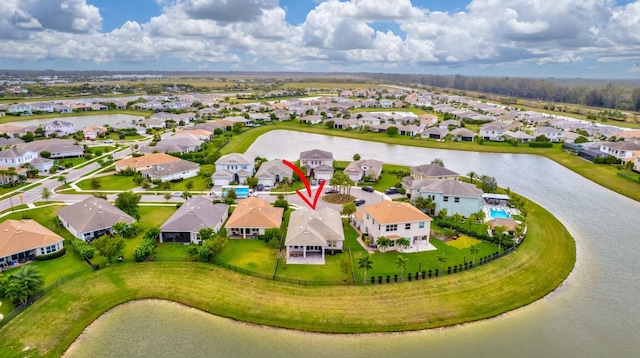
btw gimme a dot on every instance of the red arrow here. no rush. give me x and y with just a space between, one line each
302 177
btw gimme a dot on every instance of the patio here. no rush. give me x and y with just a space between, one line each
311 259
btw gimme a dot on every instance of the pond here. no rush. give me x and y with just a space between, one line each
82 121
596 313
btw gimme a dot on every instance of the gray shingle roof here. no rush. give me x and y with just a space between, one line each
272 168
314 228
93 214
170 168
316 154
452 188
433 170
195 214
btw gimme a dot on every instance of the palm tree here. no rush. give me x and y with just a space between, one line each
365 263
62 179
402 263
30 278
11 173
46 193
474 250
498 234
480 215
425 204
186 195
442 259
382 243
472 219
457 218
403 242
95 184
348 209
442 214
472 175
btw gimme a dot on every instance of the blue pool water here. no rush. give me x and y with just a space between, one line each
499 214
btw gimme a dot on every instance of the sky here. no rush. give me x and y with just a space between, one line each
517 38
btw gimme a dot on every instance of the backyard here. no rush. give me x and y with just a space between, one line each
109 182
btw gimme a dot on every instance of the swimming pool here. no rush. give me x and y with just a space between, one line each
499 214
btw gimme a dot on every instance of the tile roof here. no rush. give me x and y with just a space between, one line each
390 212
146 160
22 235
452 187
314 228
253 212
93 214
195 214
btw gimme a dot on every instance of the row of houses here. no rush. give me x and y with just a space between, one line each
29 153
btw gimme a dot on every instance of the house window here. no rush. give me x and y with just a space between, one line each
407 226
445 198
421 225
456 199
393 227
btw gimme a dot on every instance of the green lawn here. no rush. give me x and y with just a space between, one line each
110 182
199 184
116 136
250 254
6 306
9 189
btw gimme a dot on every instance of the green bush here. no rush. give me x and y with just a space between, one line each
84 249
52 256
540 144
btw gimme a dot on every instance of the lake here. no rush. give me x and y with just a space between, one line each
82 121
595 313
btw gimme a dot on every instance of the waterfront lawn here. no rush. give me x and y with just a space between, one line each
110 182
463 242
171 251
250 254
384 262
6 306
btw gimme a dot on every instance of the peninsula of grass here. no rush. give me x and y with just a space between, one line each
539 266
109 182
601 174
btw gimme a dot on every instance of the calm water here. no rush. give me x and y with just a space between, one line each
82 121
596 313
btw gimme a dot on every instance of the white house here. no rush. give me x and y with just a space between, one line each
314 158
453 195
554 134
92 218
272 172
233 167
621 150
177 170
14 157
386 103
518 136
60 128
19 108
358 169
395 220
26 239
311 234
493 132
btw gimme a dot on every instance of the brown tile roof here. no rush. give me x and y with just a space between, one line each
253 212
23 235
390 212
146 160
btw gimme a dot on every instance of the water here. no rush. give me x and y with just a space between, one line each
499 214
82 121
596 313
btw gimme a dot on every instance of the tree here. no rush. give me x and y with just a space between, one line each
186 195
457 218
489 184
391 131
29 277
473 250
383 243
365 263
45 154
402 263
167 196
231 194
356 156
46 193
442 259
237 127
109 247
348 209
128 201
62 179
345 266
542 138
426 205
498 235
95 184
329 124
442 214
252 182
471 175
403 242
212 248
438 161
206 233
189 185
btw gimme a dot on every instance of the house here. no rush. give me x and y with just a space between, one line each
463 134
92 218
16 156
177 143
323 172
9 179
554 134
195 214
60 128
311 234
438 133
636 160
358 169
145 162
42 164
368 122
493 132
422 175
252 216
520 137
233 167
59 148
312 119
201 134
178 170
453 195
26 239
395 220
45 107
272 172
619 150
154 123
345 123
314 158
92 132
19 109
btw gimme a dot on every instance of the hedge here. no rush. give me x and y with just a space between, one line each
540 144
52 256
83 248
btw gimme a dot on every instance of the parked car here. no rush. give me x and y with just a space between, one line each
267 187
368 189
320 181
108 141
260 187
391 191
359 201
176 194
331 191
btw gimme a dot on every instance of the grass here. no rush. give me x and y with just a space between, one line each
250 254
199 184
110 182
9 189
601 174
6 306
463 242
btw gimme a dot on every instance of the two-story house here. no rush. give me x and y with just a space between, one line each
15 157
395 220
455 196
60 128
311 234
554 134
493 131
233 167
621 150
421 175
316 158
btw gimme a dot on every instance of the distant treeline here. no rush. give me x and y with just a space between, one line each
610 95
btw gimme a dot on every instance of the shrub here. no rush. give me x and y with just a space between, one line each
84 249
52 256
540 144
45 154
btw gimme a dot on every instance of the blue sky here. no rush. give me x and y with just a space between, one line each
572 38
